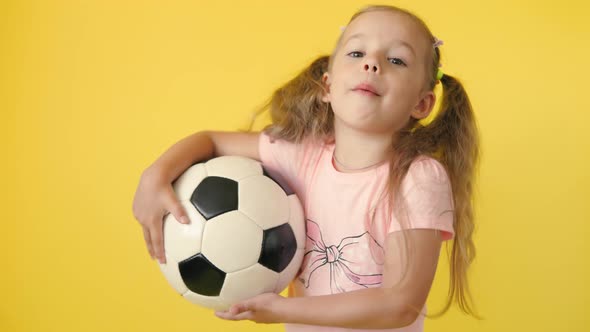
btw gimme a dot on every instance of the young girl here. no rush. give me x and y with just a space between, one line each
381 191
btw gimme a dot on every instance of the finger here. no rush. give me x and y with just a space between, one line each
229 316
157 240
223 314
249 315
238 308
174 206
148 241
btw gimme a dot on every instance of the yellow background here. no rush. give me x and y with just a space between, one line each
91 92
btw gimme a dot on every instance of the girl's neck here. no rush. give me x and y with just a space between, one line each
358 151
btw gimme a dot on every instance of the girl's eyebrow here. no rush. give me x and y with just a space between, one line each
358 35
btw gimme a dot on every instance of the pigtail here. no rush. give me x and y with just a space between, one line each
452 139
297 110
456 130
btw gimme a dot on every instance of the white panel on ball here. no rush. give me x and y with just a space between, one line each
183 241
232 241
185 185
297 220
249 282
269 207
233 167
212 302
172 274
290 271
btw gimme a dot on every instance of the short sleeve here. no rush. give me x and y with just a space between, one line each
283 157
427 192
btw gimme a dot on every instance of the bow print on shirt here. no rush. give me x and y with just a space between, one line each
343 261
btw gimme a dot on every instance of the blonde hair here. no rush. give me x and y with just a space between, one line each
298 113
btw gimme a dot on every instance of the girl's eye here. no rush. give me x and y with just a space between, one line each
397 61
355 54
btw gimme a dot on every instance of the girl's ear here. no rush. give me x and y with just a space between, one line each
424 106
326 85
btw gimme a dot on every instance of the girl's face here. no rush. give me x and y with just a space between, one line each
385 52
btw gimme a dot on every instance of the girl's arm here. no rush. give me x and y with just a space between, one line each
201 146
155 196
396 303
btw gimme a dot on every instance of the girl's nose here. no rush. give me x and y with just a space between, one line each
371 66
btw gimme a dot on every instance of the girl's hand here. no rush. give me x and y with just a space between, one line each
260 309
153 200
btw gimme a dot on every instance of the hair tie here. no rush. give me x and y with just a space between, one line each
437 42
439 74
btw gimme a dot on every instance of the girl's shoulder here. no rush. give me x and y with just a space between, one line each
427 168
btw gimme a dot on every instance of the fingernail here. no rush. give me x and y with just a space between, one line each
184 220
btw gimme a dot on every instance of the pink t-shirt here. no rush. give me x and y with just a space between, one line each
345 249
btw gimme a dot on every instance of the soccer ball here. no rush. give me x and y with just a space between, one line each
246 234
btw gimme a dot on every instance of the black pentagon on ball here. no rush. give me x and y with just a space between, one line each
278 247
214 196
201 276
278 179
